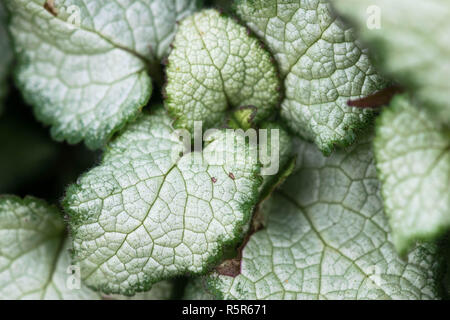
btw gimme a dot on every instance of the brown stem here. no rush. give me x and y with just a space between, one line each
376 100
232 267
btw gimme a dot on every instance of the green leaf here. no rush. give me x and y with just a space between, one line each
322 66
216 66
411 40
34 252
326 237
5 61
413 160
162 290
83 64
145 215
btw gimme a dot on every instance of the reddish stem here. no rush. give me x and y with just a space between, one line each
376 100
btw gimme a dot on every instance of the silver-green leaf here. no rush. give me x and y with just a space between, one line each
84 64
35 261
216 66
145 214
413 161
322 65
411 39
326 237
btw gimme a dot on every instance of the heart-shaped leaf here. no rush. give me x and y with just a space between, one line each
216 66
322 66
145 214
84 64
34 253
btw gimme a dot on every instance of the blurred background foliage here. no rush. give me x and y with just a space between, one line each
31 163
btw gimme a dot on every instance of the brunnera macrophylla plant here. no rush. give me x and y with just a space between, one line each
274 149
